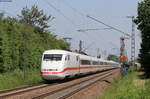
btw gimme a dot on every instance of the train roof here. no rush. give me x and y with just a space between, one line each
54 51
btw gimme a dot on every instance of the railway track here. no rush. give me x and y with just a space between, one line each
68 91
9 90
56 91
16 91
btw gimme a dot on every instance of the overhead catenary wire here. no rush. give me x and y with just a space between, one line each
56 9
68 19
74 9
84 15
108 25
84 30
5 0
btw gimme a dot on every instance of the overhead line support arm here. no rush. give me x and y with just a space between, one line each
108 26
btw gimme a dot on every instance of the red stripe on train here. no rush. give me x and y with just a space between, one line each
72 68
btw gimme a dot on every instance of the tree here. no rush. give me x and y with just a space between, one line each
143 22
113 58
21 47
36 18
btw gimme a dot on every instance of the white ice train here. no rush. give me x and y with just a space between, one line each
59 64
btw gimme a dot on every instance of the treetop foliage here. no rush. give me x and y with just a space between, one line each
143 22
143 14
35 17
21 47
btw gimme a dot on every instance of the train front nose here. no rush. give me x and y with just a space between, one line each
53 71
52 76
52 66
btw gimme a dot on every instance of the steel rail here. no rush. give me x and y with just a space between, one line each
102 76
25 89
18 88
16 91
77 90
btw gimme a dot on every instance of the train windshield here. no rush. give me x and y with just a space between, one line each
53 57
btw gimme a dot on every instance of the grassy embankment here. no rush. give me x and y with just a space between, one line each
131 86
17 78
21 48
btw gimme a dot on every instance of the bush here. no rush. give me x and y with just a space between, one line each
19 78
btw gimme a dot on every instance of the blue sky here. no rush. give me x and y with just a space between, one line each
70 16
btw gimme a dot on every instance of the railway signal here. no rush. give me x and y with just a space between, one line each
123 58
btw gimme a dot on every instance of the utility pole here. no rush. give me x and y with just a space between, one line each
132 41
98 54
80 46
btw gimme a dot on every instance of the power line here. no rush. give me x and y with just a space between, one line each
84 30
82 14
57 10
52 6
5 0
74 9
108 26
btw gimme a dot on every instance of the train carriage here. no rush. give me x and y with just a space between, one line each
58 64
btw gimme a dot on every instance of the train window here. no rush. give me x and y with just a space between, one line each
101 63
68 57
52 57
85 62
65 58
77 58
95 63
104 63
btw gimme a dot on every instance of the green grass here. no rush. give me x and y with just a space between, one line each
17 78
129 87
